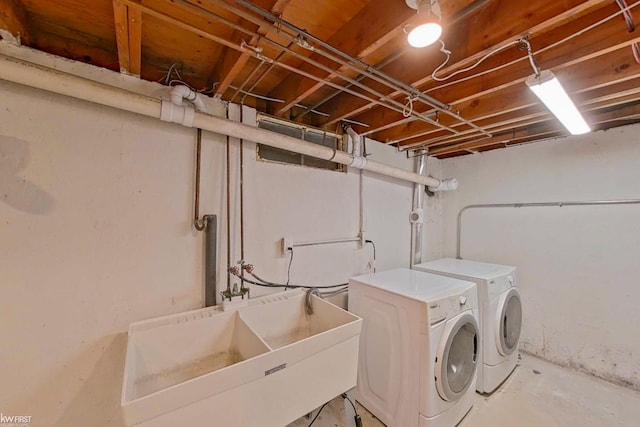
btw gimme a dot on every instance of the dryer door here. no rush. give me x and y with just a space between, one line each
457 357
509 322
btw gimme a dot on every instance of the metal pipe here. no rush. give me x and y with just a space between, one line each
418 210
241 193
245 81
360 77
363 67
211 261
348 58
534 205
228 170
25 73
199 224
325 242
389 102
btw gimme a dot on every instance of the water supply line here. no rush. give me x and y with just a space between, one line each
208 224
200 224
534 205
29 74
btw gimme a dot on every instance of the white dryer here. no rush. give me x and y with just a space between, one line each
418 347
500 315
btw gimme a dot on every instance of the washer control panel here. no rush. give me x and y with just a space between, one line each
451 306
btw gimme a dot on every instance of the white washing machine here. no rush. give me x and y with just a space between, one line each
418 347
500 315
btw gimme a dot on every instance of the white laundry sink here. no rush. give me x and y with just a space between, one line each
265 364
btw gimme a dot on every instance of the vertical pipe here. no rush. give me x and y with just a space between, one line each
418 206
211 260
199 224
241 191
228 211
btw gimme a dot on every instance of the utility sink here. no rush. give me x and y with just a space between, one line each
264 364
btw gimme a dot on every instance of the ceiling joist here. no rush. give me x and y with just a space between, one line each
14 22
128 24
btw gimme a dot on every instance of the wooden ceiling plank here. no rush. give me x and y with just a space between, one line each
241 60
135 40
521 120
517 98
356 38
499 28
183 25
120 14
601 51
14 22
353 32
627 112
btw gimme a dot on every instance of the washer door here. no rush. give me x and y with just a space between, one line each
509 322
457 357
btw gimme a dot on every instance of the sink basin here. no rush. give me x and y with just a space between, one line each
264 364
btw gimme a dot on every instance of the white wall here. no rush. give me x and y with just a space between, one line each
96 208
578 266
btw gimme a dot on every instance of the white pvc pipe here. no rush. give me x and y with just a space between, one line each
356 149
28 74
180 92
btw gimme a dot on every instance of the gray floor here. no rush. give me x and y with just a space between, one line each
537 394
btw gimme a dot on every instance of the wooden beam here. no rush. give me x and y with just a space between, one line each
232 71
498 24
506 109
14 22
542 131
135 40
606 49
128 23
358 37
579 79
597 101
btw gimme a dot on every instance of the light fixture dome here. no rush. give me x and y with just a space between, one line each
430 30
425 34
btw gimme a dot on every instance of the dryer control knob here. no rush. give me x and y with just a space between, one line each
463 300
510 279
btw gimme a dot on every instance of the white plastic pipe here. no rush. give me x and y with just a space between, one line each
446 185
356 149
28 74
180 92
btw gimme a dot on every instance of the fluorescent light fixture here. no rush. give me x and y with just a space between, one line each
425 34
549 90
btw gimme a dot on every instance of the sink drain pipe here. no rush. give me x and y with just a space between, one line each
29 74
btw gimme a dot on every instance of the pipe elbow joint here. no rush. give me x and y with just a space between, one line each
445 185
358 162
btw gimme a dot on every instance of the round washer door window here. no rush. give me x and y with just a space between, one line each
510 322
457 362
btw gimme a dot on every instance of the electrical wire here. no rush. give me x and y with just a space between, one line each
268 284
289 268
447 53
549 47
356 417
374 253
318 414
628 17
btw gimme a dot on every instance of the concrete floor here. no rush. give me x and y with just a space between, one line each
537 394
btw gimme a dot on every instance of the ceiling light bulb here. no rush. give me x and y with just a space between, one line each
549 90
425 34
